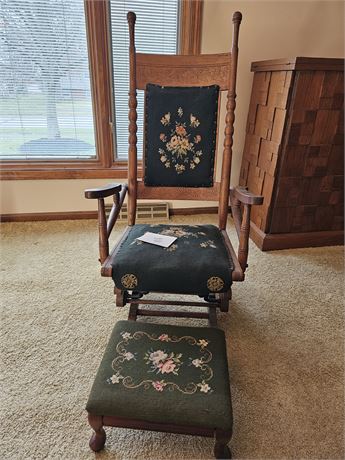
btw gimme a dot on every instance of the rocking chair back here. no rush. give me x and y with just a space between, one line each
182 71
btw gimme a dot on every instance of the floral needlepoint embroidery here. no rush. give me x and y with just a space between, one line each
164 362
208 244
164 338
203 343
178 145
165 120
197 362
116 378
128 356
194 122
126 335
159 386
204 387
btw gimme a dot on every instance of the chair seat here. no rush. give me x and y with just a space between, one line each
196 263
164 374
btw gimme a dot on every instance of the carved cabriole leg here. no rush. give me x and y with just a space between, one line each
221 449
98 438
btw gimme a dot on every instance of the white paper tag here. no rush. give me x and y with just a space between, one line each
159 240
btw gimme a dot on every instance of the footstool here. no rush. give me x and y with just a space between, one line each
163 378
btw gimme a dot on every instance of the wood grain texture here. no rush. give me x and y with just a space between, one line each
276 241
294 148
177 70
265 125
191 14
229 125
298 63
132 128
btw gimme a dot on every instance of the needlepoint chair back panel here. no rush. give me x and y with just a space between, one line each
180 135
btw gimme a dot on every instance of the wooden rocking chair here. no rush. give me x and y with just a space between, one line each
179 164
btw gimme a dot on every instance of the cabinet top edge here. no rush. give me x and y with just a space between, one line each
299 63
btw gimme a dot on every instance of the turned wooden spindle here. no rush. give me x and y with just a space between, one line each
243 246
102 232
229 126
132 116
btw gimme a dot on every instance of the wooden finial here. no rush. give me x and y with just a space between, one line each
237 17
131 17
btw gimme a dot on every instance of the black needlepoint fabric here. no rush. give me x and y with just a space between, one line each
196 263
180 135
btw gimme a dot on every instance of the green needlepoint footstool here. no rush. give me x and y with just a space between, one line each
163 378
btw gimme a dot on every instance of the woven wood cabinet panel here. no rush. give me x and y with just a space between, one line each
294 152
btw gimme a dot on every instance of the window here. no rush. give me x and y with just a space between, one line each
45 96
158 17
64 81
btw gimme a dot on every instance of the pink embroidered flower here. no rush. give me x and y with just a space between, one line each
158 385
162 137
167 367
197 138
164 338
180 130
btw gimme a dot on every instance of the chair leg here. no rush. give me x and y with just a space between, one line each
133 312
224 301
221 449
98 438
119 297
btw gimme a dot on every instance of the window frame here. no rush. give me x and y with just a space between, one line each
105 165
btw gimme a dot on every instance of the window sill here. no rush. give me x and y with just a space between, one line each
35 171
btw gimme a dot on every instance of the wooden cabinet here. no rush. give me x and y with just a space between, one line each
294 152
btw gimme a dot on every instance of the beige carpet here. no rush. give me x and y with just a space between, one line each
285 349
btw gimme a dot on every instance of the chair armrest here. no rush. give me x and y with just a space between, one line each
241 197
246 197
105 225
102 192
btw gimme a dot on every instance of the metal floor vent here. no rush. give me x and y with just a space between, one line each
151 212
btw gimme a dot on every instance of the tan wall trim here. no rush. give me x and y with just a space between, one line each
44 216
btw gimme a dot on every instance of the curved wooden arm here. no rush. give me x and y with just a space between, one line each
102 192
240 196
245 197
105 226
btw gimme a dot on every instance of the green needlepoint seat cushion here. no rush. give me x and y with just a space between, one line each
196 263
164 374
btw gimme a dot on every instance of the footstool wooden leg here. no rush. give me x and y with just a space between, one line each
98 438
221 449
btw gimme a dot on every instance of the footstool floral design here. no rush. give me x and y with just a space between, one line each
161 361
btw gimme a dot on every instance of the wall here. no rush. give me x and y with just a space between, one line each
270 29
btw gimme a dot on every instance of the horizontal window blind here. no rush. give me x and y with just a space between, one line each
155 32
45 97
